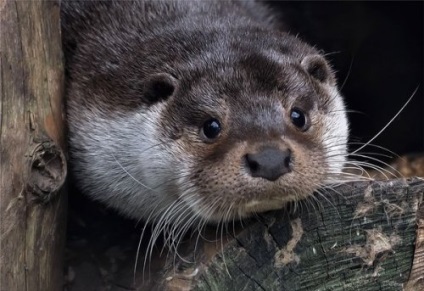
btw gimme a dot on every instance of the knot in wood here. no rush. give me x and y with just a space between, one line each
47 171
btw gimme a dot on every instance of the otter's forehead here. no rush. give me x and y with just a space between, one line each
251 84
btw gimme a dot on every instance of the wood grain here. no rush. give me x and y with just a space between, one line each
360 235
32 137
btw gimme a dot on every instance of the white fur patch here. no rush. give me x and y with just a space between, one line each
335 135
120 161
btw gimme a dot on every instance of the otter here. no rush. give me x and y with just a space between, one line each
188 112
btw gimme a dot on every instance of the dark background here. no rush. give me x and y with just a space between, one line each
377 50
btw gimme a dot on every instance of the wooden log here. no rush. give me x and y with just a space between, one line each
362 232
416 279
32 138
360 235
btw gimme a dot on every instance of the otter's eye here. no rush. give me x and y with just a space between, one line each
298 118
211 128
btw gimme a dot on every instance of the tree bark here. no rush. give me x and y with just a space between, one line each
360 235
32 137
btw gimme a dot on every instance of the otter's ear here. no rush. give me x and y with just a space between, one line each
318 68
159 87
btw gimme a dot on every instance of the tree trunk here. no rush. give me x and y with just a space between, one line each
359 236
32 137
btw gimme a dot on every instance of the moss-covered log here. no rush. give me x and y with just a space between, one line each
32 138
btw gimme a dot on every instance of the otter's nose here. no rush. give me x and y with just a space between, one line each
269 163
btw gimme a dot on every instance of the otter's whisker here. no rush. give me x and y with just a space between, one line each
388 123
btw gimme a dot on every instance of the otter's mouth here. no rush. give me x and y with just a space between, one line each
264 205
240 210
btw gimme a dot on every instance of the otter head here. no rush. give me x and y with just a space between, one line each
205 126
264 131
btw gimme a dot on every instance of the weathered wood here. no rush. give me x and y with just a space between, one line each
359 236
416 279
32 138
352 235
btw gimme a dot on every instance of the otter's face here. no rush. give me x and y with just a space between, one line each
256 136
218 138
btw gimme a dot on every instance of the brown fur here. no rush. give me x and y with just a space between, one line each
144 77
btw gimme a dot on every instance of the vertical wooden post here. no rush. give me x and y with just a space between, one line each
32 139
